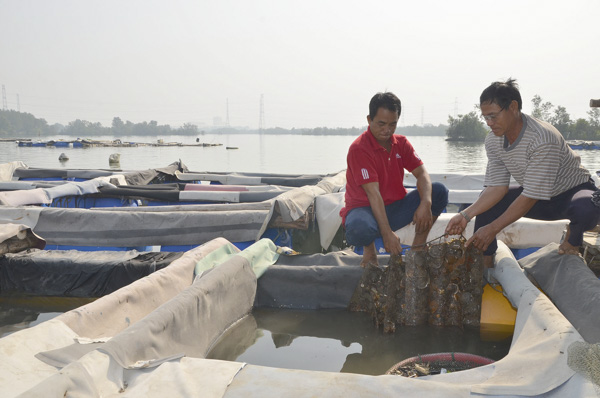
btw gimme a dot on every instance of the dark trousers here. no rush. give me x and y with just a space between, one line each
575 205
361 226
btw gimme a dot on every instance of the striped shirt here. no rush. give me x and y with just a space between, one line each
539 160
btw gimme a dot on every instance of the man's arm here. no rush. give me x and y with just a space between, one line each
391 241
488 198
423 219
486 234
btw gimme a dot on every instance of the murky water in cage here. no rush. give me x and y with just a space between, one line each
341 341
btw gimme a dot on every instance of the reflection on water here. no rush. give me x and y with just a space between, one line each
341 341
21 312
466 156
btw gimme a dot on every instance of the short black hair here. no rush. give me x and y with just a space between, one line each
502 94
385 100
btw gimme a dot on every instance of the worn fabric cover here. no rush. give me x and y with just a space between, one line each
10 230
47 195
291 180
93 227
261 255
195 225
153 328
311 281
193 320
7 169
16 185
293 204
76 274
41 173
160 175
574 288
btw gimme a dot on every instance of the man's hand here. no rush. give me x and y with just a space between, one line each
456 225
391 243
482 238
423 219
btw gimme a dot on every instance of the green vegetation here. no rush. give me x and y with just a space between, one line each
580 129
466 128
15 124
470 128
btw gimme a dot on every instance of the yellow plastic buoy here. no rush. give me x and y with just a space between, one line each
497 315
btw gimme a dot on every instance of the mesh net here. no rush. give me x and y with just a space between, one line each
440 285
431 364
584 358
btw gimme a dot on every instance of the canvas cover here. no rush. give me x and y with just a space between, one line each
193 225
574 288
70 273
149 339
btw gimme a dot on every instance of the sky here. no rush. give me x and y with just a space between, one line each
314 63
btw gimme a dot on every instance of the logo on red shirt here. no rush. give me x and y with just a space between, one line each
365 174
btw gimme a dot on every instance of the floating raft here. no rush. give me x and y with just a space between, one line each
85 143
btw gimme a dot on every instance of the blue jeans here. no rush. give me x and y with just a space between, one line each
361 226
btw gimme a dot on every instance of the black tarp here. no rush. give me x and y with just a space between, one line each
72 273
305 282
155 176
571 285
61 173
170 193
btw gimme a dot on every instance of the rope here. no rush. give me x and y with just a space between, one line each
438 239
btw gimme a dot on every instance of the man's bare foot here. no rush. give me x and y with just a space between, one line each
369 256
567 248
488 262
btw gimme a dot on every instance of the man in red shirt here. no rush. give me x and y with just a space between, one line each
377 203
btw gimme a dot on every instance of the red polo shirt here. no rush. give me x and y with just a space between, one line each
370 162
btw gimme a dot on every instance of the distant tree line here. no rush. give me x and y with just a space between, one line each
18 124
470 127
580 129
467 127
15 124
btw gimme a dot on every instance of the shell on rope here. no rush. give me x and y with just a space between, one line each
440 284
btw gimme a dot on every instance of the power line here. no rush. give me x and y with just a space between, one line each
4 102
261 118
227 116
455 106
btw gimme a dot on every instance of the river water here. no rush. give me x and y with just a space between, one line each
277 154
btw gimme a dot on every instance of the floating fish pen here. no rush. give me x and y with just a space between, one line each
117 143
152 337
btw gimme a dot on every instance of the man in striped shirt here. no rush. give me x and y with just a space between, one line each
552 183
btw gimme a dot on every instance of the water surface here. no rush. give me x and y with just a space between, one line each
342 341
